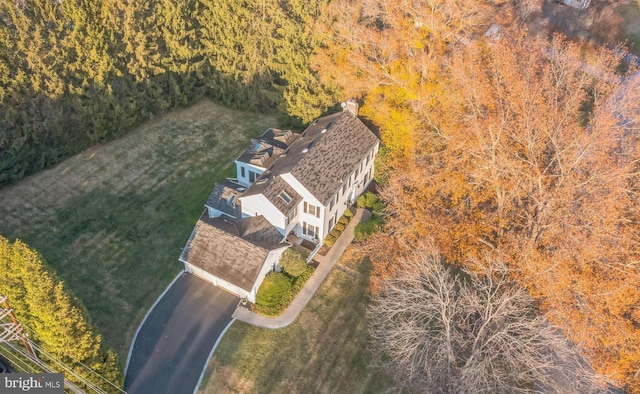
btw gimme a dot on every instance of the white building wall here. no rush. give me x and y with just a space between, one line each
258 204
294 221
302 216
216 281
300 189
244 180
314 221
214 213
358 185
269 265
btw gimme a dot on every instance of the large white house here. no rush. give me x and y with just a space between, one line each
286 184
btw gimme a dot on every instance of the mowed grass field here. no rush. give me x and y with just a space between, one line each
326 350
112 220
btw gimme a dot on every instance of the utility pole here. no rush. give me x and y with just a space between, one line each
12 331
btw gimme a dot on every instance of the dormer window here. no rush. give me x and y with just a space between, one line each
260 158
282 135
285 197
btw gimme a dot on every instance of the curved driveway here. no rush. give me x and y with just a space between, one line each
175 340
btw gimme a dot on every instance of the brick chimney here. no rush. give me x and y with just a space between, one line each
350 105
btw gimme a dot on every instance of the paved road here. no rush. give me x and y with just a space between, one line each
174 342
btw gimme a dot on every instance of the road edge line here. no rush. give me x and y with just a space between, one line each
213 349
133 342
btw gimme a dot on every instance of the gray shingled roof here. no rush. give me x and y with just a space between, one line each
258 230
218 247
270 144
221 195
320 160
272 187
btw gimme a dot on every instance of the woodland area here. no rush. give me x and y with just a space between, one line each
511 148
76 73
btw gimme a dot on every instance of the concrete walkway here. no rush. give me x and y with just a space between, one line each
291 313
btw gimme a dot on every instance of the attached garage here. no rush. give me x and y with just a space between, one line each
233 255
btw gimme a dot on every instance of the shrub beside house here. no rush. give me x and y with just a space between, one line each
279 288
376 206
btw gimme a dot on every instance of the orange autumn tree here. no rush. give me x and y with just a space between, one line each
389 51
516 148
531 158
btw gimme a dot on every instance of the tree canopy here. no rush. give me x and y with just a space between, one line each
57 320
76 73
443 329
515 146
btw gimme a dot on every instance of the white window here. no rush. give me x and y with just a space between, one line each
311 209
252 176
309 230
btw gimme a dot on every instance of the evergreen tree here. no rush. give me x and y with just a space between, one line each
80 72
59 322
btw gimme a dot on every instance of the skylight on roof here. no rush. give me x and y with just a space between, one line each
231 200
286 197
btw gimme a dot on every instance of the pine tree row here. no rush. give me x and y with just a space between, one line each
74 73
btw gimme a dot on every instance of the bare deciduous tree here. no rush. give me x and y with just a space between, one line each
443 329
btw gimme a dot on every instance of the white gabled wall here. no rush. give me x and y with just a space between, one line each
300 189
309 199
268 266
214 213
258 204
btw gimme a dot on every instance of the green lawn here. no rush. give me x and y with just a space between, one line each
112 220
325 350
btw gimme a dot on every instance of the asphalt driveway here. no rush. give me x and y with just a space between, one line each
175 340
